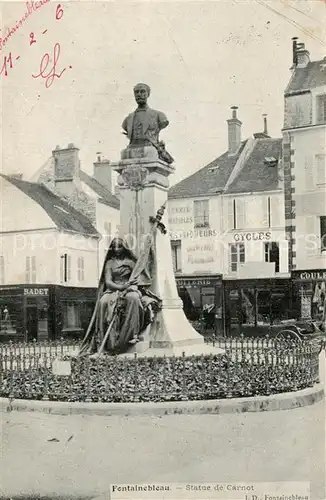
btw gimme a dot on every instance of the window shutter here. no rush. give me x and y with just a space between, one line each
264 210
321 108
206 212
230 217
275 212
80 269
320 161
241 213
68 267
309 172
62 269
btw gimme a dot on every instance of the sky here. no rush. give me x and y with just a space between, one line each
199 58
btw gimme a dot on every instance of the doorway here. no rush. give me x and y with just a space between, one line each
31 323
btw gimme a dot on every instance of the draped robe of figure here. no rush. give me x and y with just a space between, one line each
131 310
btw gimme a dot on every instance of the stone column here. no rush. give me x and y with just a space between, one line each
171 329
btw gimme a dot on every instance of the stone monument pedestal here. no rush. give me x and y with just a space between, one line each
170 333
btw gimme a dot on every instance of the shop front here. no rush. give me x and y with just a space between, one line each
73 311
254 306
26 312
202 298
44 312
309 295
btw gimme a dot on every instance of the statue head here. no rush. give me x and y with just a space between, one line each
141 93
119 248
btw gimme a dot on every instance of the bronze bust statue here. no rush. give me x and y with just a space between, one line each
143 125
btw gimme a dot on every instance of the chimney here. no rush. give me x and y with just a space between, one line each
102 172
234 132
265 124
264 134
301 56
294 51
66 169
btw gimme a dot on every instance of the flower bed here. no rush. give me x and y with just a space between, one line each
114 379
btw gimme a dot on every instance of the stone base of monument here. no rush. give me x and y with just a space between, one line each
144 349
171 334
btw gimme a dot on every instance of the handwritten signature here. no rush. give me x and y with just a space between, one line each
49 73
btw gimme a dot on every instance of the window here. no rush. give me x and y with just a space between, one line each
321 108
323 233
2 270
201 213
237 255
31 269
272 254
236 214
176 255
80 269
320 169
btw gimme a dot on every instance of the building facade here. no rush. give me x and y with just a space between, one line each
92 195
304 158
49 264
228 229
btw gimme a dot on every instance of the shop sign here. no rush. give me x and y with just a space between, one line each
197 233
179 210
261 235
195 282
36 291
312 275
181 220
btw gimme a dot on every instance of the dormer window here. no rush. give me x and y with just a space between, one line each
213 169
321 108
270 161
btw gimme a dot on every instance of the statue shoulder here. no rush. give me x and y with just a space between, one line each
128 118
159 114
162 119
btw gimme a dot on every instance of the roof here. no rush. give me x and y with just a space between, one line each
105 196
259 172
63 215
310 77
209 179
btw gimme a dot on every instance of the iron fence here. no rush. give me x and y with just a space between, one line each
248 367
